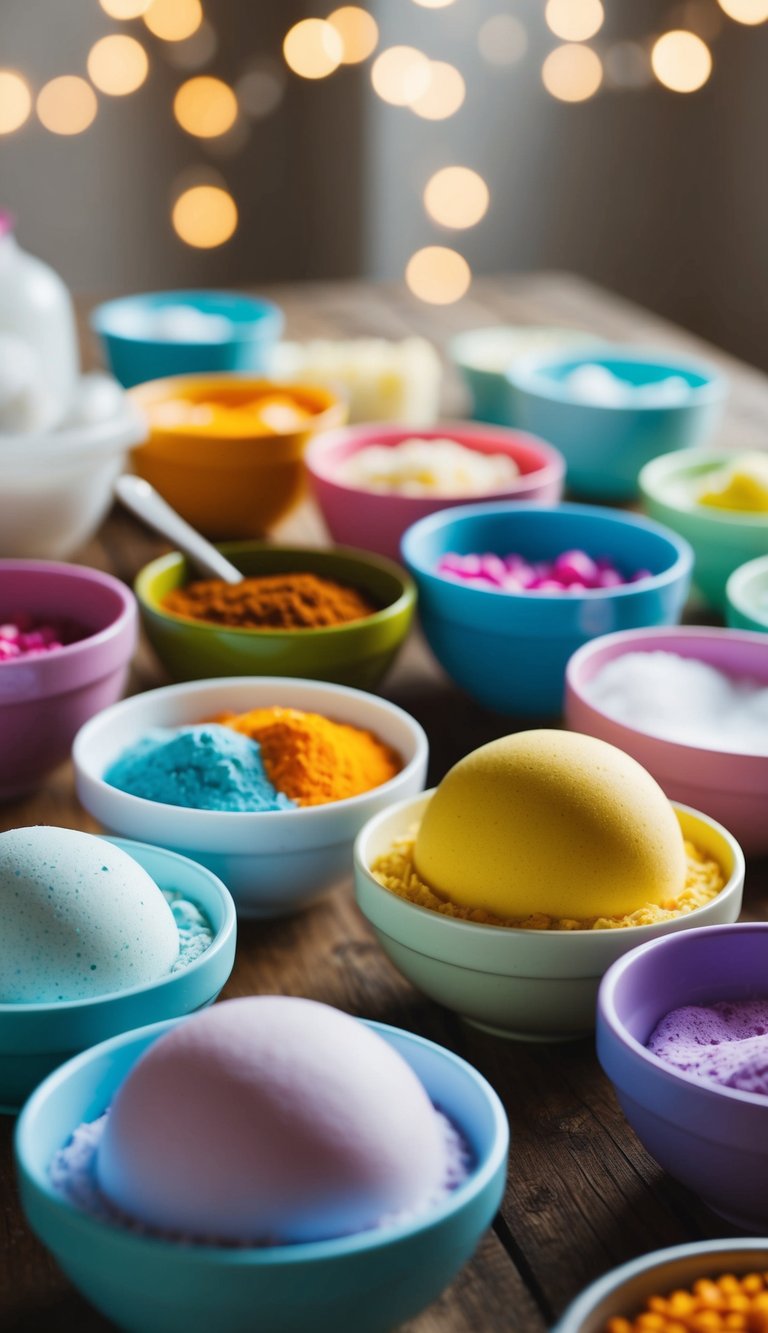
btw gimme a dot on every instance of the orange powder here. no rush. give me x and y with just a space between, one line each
312 759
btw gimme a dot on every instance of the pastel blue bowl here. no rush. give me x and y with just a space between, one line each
746 596
134 355
624 1291
509 650
605 447
36 1038
369 1282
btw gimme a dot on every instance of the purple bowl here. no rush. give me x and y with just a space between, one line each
713 1139
45 699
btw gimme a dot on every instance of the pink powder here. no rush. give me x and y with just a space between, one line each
724 1043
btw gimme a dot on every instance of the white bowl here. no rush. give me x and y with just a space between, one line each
56 488
534 985
272 863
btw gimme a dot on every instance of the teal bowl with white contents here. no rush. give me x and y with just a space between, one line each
369 1282
606 443
485 355
36 1038
746 596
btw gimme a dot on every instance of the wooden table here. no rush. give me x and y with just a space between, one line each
582 1194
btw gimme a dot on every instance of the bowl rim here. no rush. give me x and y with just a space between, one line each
115 434
525 375
83 574
264 313
308 813
455 925
458 341
571 1320
550 470
303 1251
739 579
405 600
218 944
594 647
681 566
608 1014
658 471
330 410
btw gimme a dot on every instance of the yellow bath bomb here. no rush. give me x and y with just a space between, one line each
552 822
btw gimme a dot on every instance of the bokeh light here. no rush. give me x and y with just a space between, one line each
15 101
313 49
173 20
745 11
502 40
572 73
125 9
358 30
438 275
574 20
117 65
681 61
444 95
195 51
401 75
204 216
67 105
456 197
205 107
261 89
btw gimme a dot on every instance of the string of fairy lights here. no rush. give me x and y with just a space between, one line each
218 114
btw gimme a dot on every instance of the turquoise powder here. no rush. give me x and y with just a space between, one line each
206 767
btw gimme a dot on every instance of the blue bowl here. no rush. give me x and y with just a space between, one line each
134 355
606 446
509 650
484 356
625 1290
368 1282
36 1038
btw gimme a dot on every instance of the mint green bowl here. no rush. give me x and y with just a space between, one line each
358 653
722 539
746 594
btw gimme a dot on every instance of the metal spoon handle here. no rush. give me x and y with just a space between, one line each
145 502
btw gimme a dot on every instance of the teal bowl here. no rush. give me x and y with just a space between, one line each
368 1282
722 539
605 446
358 653
36 1038
746 596
484 356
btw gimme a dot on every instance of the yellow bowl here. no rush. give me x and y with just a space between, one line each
229 485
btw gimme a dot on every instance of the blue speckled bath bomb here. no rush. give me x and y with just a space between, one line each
79 918
204 768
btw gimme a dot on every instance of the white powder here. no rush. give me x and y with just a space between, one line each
597 385
428 467
683 699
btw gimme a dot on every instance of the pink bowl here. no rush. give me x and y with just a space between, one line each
730 787
44 700
376 520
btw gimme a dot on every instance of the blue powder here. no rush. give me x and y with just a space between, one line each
203 768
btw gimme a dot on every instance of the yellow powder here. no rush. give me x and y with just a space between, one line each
396 871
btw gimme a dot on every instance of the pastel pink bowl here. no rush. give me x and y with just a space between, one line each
376 520
730 787
44 700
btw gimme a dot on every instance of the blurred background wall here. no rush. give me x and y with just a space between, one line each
661 195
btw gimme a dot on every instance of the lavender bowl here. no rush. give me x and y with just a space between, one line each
714 1139
45 699
727 785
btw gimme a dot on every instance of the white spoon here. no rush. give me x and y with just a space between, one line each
148 505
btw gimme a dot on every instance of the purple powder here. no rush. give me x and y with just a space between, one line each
724 1043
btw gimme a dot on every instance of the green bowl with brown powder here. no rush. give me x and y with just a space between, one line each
357 653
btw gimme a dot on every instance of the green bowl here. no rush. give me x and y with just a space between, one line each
746 595
722 539
357 653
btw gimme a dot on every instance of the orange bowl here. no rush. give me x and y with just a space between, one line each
227 481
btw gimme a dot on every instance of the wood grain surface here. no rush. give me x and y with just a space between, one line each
582 1195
